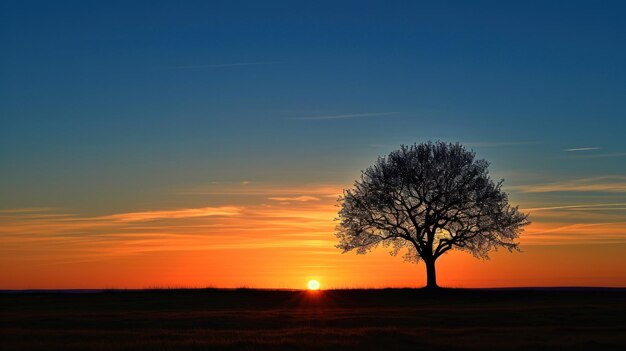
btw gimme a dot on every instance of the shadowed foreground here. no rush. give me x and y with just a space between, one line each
401 319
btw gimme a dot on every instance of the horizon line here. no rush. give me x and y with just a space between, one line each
105 290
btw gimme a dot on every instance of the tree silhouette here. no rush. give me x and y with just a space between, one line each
428 198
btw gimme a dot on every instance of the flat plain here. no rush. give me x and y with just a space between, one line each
382 319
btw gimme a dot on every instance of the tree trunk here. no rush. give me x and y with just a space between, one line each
431 274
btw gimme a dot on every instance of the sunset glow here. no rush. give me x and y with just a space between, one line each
255 240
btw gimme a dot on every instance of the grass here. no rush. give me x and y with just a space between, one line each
248 319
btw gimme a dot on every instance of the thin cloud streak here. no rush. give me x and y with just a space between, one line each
266 190
235 64
27 210
613 184
346 116
174 214
581 206
295 198
576 233
581 149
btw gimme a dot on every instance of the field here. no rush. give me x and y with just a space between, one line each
244 319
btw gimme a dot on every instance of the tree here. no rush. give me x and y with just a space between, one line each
428 198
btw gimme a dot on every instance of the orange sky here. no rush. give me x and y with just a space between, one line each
270 236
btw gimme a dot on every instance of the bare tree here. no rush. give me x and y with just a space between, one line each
428 198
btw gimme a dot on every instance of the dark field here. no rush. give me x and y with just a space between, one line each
403 319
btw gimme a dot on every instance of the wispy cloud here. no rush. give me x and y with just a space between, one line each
296 198
73 238
594 184
27 210
174 214
266 190
352 115
603 206
581 149
233 64
578 233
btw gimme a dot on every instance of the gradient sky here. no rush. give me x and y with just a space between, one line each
204 143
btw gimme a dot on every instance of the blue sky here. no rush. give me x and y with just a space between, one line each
122 98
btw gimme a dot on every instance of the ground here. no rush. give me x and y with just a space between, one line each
244 319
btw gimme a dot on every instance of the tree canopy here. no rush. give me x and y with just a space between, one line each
428 198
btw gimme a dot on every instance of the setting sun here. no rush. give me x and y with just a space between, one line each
313 285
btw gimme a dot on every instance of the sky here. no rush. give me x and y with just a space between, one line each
205 143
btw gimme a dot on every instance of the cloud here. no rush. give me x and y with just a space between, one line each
296 198
607 206
26 210
266 190
174 214
611 184
581 149
220 65
353 115
72 238
578 233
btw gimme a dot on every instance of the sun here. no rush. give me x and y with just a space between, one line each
313 285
